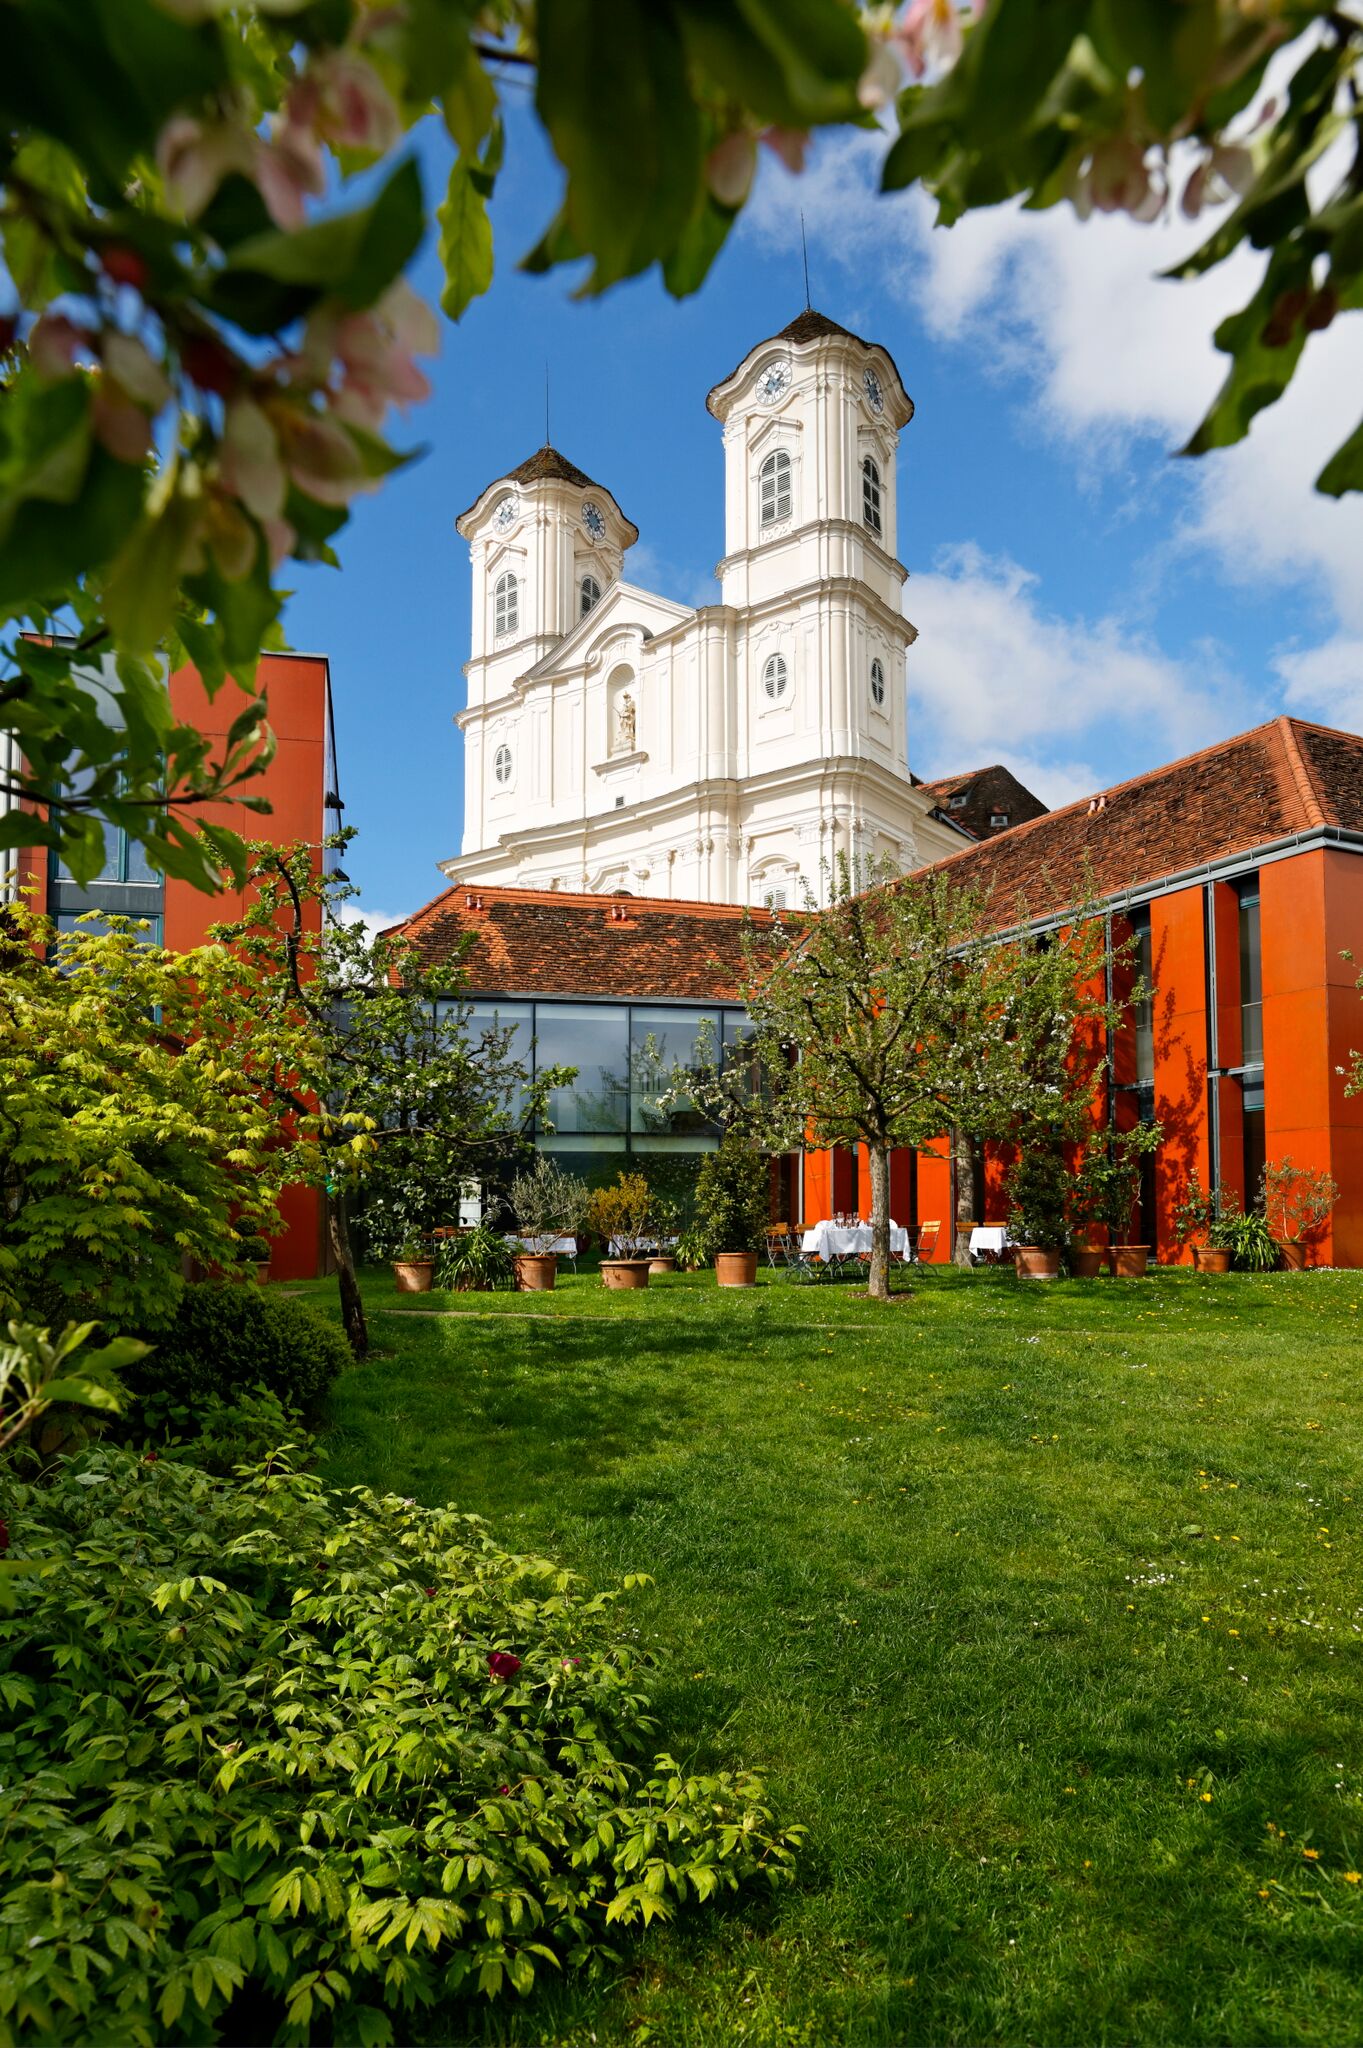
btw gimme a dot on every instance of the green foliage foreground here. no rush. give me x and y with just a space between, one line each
278 1763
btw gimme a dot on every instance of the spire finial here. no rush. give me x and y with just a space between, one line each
546 402
804 251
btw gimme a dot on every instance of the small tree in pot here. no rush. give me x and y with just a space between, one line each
622 1217
1207 1224
731 1209
1296 1202
548 1204
1113 1168
1038 1185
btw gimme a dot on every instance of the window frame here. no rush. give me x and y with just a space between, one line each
775 488
872 497
506 604
503 755
587 604
773 667
877 683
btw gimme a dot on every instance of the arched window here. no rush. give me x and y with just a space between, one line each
508 601
590 595
775 676
501 764
870 494
775 479
877 682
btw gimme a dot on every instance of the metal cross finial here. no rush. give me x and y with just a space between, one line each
804 251
546 402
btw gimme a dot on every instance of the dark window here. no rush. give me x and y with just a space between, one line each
1253 1118
594 1038
1143 1011
870 495
590 595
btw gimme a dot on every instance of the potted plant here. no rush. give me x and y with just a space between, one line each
1119 1187
1205 1223
732 1199
474 1261
548 1204
255 1251
1296 1202
622 1217
413 1266
1083 1212
1038 1189
667 1225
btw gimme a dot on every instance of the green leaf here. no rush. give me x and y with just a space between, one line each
688 265
50 544
795 62
468 99
1344 471
1260 370
352 256
465 240
632 177
139 598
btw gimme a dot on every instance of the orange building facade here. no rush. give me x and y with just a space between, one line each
300 784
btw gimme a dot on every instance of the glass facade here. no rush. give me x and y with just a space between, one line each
1251 975
1143 1011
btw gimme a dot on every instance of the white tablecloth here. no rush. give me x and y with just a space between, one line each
989 1237
843 1241
543 1245
651 1248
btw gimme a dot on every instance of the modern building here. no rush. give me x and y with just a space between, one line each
728 753
300 784
1239 873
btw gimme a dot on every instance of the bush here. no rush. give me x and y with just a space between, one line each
226 1340
283 1762
732 1199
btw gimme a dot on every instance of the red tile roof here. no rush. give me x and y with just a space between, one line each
1282 778
988 792
553 942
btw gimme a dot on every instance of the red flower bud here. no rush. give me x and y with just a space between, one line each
430 1592
505 1791
4 1534
9 327
151 1457
124 265
501 1664
208 364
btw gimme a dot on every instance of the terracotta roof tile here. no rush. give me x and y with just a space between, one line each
987 792
1279 779
553 942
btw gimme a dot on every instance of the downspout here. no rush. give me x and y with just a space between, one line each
1213 1049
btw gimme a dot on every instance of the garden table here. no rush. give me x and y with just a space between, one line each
542 1245
990 1240
831 1241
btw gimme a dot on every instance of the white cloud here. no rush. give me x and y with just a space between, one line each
1112 355
994 676
374 921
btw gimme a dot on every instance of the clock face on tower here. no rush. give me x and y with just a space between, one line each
772 382
506 511
593 521
874 397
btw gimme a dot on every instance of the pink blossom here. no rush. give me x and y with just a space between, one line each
289 169
321 457
930 35
790 144
883 76
1226 169
341 98
1118 179
730 166
502 1665
131 364
250 466
195 157
121 425
377 351
54 345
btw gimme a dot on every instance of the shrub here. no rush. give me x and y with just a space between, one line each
226 1340
1296 1200
333 1756
475 1259
623 1215
548 1203
732 1198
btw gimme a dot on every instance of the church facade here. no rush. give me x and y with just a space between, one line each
615 740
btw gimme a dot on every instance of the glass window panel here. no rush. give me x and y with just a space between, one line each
662 1041
594 1038
1143 1012
516 1019
137 867
1251 977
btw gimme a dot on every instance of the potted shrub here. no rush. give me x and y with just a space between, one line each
1296 1202
732 1197
667 1224
255 1252
622 1217
1119 1186
474 1261
1205 1223
1038 1187
548 1204
413 1266
1083 1212
1249 1241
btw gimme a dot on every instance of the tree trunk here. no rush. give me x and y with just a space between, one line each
878 1286
963 1160
352 1308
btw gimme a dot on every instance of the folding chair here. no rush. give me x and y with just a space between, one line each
778 1246
926 1242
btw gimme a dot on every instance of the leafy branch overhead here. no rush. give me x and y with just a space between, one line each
208 214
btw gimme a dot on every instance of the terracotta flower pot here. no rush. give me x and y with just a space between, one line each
664 1263
262 1272
1086 1261
1128 1261
1035 1262
536 1272
1293 1257
736 1269
414 1276
624 1273
1211 1258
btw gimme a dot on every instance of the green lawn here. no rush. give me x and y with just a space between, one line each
1038 1605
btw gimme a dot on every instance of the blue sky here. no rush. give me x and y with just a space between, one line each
1087 607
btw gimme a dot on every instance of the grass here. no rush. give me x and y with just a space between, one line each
1038 1605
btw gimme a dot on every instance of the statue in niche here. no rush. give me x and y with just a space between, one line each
624 736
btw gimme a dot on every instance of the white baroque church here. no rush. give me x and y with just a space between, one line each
616 740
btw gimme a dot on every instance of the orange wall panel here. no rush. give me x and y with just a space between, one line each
934 1198
1178 956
